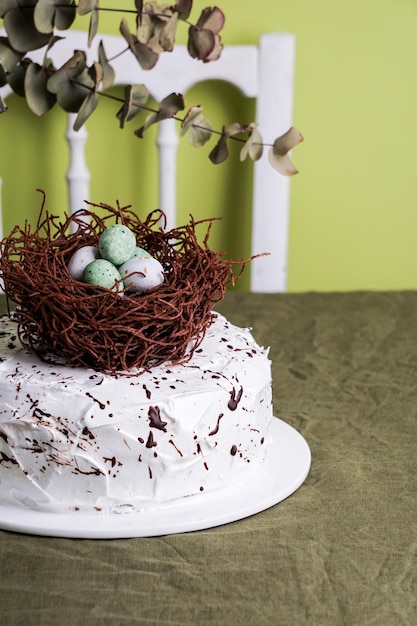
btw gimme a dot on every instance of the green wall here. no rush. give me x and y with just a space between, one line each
353 215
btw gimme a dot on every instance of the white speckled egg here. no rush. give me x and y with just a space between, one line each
117 244
102 273
141 274
80 259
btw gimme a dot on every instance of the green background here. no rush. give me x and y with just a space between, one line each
353 219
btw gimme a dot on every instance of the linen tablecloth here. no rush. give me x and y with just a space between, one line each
340 550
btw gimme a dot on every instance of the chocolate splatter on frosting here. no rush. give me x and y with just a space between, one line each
155 420
234 399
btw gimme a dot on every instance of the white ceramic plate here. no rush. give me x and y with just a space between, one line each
285 470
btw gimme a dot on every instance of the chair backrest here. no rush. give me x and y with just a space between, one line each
264 72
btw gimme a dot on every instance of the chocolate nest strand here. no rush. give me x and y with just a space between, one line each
96 327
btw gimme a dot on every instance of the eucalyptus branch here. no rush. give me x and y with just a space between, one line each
61 5
77 88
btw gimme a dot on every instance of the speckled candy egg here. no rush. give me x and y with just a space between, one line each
141 253
117 244
80 259
102 273
141 274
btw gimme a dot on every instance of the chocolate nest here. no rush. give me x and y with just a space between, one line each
96 327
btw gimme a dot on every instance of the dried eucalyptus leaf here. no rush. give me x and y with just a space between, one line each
7 5
193 116
278 154
146 28
125 32
286 142
216 52
65 15
136 96
86 6
108 71
282 163
9 58
220 152
253 146
48 14
168 108
146 57
139 9
71 97
22 33
96 74
211 19
38 98
44 16
86 109
156 30
3 106
151 119
184 8
201 133
3 77
53 40
168 32
16 79
93 27
72 83
204 42
69 70
201 43
234 129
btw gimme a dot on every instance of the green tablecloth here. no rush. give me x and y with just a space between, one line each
341 550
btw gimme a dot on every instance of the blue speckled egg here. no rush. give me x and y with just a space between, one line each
141 274
102 273
141 253
117 244
80 259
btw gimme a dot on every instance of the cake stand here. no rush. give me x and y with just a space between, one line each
281 475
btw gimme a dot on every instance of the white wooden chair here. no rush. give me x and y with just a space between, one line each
263 72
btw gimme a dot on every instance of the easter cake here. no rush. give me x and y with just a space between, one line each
123 396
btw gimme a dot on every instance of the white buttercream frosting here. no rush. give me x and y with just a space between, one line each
75 439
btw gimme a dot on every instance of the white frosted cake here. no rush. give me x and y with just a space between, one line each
74 439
